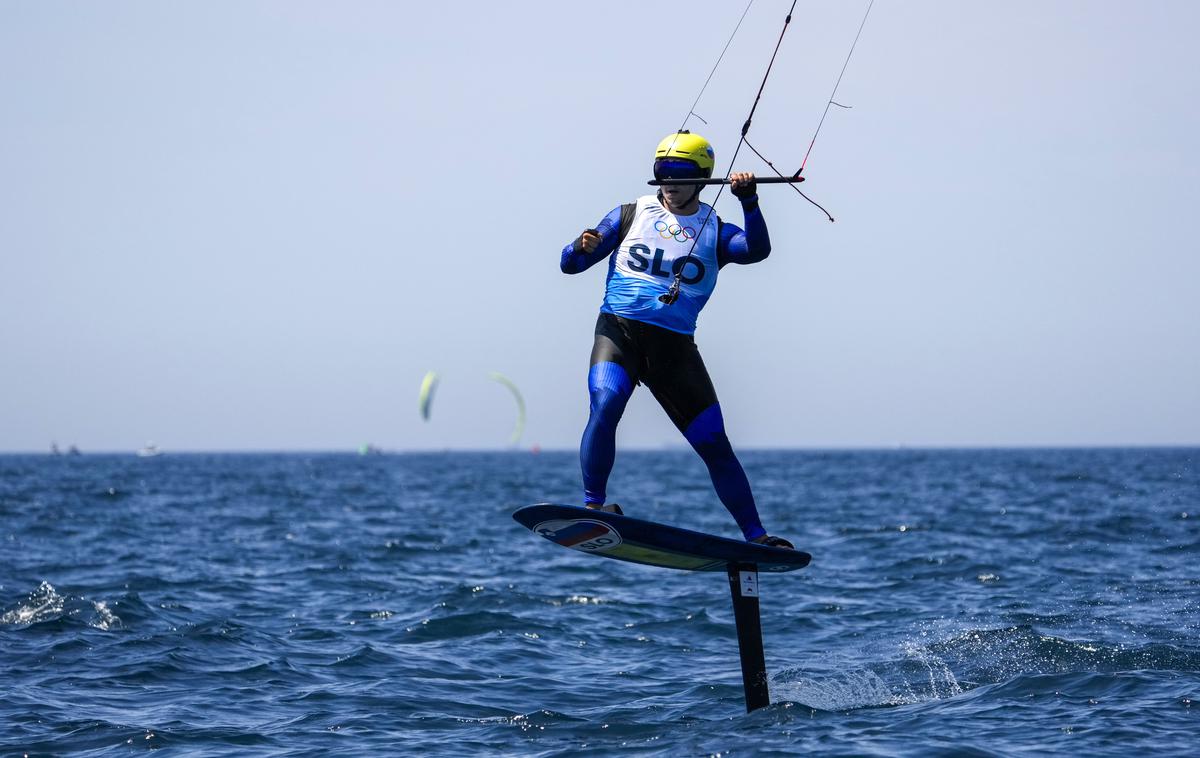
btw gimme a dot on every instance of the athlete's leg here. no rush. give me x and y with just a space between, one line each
610 384
706 433
610 387
680 382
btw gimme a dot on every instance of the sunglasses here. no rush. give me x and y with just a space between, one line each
673 168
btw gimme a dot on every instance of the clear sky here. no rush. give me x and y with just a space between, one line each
256 225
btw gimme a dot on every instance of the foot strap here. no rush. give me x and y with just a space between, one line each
610 508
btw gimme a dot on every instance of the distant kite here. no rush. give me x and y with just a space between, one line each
516 393
430 382
428 385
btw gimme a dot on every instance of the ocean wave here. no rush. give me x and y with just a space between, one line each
994 655
971 659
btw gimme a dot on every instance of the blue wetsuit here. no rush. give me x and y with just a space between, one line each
640 340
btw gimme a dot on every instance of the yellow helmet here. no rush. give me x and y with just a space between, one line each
686 146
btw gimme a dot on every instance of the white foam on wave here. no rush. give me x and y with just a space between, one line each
104 619
941 680
917 676
46 604
840 691
43 604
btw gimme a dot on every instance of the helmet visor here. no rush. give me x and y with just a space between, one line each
677 168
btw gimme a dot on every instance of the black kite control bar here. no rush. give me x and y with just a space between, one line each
725 180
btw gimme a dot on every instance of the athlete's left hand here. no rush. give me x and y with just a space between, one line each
743 185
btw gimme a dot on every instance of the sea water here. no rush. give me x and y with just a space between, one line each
958 602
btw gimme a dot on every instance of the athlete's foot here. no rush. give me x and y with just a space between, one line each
770 541
610 508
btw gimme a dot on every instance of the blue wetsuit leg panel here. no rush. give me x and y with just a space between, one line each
706 433
675 373
610 388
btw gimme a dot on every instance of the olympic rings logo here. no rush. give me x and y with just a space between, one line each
679 233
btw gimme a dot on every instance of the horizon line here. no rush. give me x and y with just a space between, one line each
669 447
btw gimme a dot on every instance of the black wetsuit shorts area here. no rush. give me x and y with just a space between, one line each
665 361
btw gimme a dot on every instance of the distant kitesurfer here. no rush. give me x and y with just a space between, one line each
645 335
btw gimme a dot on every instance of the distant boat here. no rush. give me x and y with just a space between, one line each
54 449
72 450
149 451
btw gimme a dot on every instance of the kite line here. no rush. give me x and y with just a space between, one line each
673 293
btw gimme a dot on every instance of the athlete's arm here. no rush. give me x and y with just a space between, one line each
576 259
750 245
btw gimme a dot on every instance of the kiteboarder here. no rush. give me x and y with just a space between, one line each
666 251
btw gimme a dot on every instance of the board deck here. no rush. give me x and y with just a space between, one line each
630 539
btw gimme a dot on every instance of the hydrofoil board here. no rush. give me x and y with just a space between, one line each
637 541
